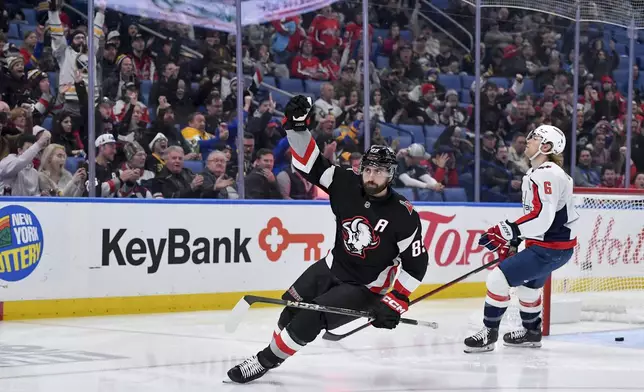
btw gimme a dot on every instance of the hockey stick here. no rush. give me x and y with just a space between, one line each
238 312
334 337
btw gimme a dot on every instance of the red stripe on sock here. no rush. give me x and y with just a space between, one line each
283 347
496 297
1 311
531 304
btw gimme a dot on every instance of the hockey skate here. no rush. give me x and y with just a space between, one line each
523 338
482 341
249 370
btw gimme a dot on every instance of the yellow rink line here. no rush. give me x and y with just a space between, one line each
83 307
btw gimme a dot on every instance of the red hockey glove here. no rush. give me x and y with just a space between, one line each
387 312
501 238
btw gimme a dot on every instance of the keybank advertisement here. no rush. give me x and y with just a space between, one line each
134 249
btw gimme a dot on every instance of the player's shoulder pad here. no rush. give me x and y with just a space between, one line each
547 171
404 203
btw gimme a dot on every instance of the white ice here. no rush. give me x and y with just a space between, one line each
190 352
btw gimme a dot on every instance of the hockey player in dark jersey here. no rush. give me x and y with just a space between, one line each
378 234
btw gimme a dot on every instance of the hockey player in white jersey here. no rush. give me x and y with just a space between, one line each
545 227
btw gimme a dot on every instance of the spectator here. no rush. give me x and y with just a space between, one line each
610 179
443 167
135 162
155 161
32 47
488 146
107 181
54 179
217 184
517 155
293 186
143 63
14 88
599 152
72 57
176 181
638 183
124 73
18 177
261 183
411 173
499 176
586 174
326 104
64 135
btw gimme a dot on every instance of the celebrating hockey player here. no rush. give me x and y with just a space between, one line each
377 233
545 227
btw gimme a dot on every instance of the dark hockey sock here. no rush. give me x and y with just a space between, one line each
531 321
492 315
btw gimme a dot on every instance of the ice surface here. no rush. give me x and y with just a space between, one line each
190 352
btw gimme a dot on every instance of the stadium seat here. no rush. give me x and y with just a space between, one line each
195 166
407 193
16 42
48 123
416 132
405 140
30 16
406 35
434 131
465 97
382 62
528 86
467 80
14 31
455 194
388 131
428 195
280 99
380 33
312 86
270 80
26 28
501 82
146 87
291 85
450 81
71 164
429 144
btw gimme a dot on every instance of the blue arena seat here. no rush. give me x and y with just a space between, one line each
455 194
416 132
450 81
195 166
291 85
434 130
313 86
405 140
407 193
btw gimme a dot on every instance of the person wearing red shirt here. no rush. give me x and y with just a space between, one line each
325 32
353 31
306 65
332 65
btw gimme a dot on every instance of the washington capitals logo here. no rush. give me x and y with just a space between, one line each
358 236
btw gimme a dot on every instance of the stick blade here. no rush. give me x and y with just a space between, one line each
236 315
332 337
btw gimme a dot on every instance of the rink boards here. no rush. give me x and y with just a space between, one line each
73 257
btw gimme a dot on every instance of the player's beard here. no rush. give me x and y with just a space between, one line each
371 188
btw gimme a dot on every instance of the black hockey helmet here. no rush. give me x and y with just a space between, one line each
380 156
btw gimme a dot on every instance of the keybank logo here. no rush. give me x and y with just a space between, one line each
21 243
180 246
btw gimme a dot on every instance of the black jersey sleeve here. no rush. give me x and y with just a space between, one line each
413 254
308 160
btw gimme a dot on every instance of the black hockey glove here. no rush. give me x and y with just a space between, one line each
298 114
387 312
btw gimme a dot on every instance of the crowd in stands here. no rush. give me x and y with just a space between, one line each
166 109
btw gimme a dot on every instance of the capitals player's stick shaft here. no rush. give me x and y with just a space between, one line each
334 337
248 300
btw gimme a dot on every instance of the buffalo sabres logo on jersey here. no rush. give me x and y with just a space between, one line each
358 236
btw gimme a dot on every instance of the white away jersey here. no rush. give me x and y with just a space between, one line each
548 207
